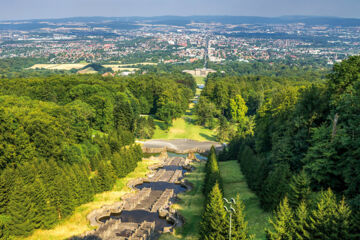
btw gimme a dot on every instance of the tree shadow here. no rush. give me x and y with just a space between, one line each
90 237
208 137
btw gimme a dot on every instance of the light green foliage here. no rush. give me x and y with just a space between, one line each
330 219
283 223
301 222
239 225
238 108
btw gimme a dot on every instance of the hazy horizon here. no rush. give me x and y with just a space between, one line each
45 9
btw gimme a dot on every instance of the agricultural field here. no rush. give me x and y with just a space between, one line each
119 68
77 223
235 183
59 66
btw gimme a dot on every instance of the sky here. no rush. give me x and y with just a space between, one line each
37 9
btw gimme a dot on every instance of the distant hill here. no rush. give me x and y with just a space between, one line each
131 22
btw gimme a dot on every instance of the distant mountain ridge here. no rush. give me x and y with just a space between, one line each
184 20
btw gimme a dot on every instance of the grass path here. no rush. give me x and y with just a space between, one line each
190 206
77 223
185 126
234 183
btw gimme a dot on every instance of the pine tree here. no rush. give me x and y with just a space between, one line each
275 186
212 172
283 223
299 189
19 209
330 220
4 231
239 225
44 215
213 224
355 224
301 222
6 184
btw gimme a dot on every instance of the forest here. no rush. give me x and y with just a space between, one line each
64 138
297 143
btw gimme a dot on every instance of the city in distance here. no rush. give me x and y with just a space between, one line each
180 127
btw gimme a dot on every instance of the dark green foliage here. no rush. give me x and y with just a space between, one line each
299 189
214 223
301 129
65 138
145 128
98 67
275 187
206 112
212 172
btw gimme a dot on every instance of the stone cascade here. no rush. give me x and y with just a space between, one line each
153 202
163 200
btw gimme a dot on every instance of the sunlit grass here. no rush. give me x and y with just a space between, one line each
200 80
235 183
77 223
184 128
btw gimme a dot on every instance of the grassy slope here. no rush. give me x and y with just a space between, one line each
190 206
77 223
234 182
200 80
185 126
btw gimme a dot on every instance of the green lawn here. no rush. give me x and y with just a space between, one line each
190 206
184 128
234 183
200 80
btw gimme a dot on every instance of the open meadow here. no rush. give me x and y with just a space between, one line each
59 66
235 183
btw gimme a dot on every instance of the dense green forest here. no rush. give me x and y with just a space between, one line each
297 142
64 138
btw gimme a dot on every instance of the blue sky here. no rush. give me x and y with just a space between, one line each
26 9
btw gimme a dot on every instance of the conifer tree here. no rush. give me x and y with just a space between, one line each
299 189
355 224
330 220
283 223
239 225
6 184
301 222
44 215
275 186
213 224
19 209
212 172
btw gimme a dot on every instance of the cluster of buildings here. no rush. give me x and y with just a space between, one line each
171 44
